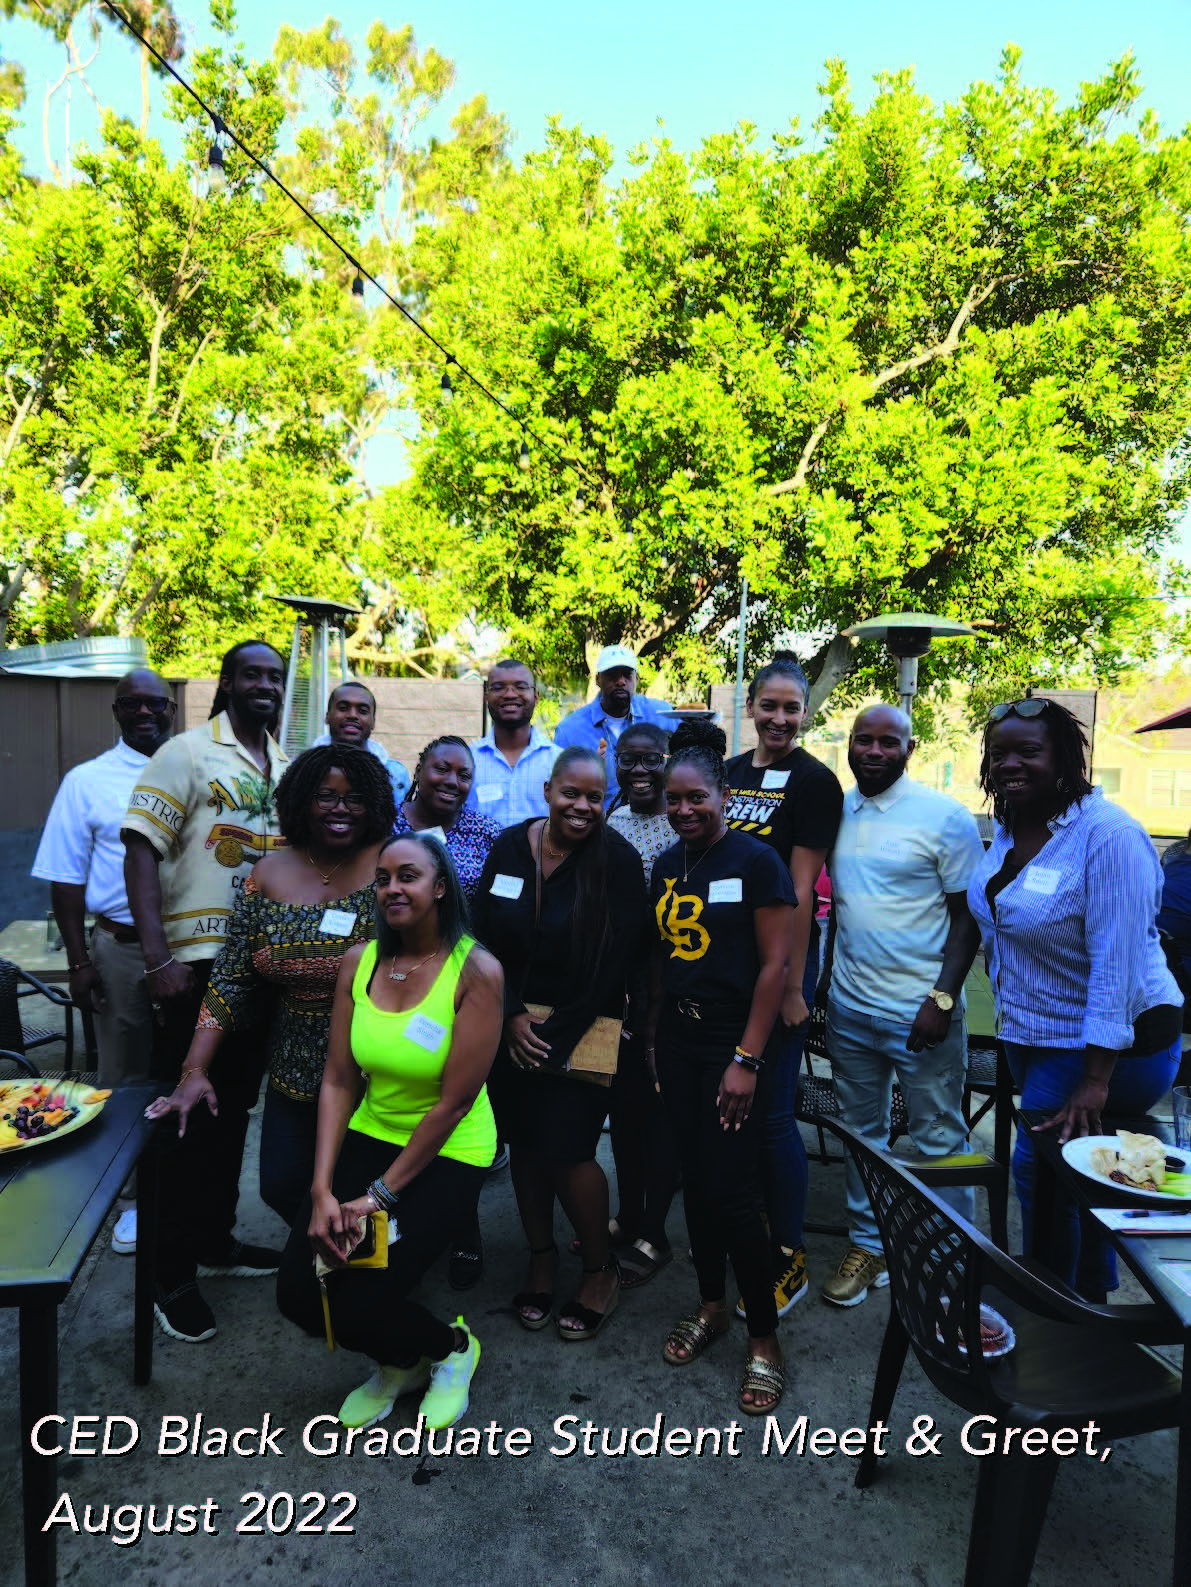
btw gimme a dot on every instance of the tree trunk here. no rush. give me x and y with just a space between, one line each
836 664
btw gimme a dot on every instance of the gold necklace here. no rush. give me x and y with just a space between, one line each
550 849
403 975
687 867
327 878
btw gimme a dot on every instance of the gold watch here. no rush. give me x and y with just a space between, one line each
943 1001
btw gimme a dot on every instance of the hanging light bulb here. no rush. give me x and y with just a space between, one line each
580 503
358 284
216 172
445 389
523 456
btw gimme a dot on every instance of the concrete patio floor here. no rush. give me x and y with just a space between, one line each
754 1518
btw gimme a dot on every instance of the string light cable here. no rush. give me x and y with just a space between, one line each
216 169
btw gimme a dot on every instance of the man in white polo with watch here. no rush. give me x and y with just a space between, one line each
903 944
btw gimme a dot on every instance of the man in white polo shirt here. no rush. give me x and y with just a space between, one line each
904 941
514 758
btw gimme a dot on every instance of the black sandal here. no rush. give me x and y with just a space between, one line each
590 1321
535 1300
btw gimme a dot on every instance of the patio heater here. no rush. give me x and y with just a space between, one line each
317 627
908 636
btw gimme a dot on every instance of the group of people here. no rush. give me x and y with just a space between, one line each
530 936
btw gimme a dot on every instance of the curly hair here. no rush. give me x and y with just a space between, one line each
366 775
1070 746
702 745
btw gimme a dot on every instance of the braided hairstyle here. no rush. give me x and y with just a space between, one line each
702 745
227 669
1070 746
785 664
449 740
304 776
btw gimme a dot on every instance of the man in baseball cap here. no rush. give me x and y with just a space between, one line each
617 705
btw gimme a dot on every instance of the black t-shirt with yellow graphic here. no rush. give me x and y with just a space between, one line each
706 922
796 802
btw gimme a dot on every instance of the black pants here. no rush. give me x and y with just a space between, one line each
370 1307
721 1169
199 1175
642 1147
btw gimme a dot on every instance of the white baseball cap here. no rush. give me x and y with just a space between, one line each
615 656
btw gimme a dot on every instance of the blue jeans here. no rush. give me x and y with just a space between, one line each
867 1051
1081 1255
785 1173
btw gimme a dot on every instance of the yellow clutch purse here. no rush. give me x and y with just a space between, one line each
372 1251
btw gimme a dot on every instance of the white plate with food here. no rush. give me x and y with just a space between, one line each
1136 1165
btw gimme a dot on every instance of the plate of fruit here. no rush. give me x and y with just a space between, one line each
35 1111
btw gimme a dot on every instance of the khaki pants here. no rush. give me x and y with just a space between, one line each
124 1031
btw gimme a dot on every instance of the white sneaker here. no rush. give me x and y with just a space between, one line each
124 1234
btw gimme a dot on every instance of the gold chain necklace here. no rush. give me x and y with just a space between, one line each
327 878
687 867
403 975
550 849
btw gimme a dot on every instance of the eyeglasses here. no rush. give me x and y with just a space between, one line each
650 759
1023 708
129 703
328 799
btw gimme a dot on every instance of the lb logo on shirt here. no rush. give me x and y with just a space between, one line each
678 923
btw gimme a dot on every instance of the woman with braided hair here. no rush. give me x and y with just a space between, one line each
300 910
435 804
723 903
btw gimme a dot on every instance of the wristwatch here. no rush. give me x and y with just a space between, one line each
943 1001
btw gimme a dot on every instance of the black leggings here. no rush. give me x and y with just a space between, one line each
370 1307
643 1149
721 1169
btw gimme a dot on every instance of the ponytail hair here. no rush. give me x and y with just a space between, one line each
702 745
785 664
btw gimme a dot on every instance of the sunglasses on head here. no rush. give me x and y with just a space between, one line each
1023 708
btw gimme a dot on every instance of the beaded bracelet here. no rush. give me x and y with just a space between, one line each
748 1060
385 1198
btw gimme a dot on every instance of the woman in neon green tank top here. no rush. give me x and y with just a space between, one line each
418 1013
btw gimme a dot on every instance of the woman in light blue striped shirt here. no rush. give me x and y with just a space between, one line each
1065 901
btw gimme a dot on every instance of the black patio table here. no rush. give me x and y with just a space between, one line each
54 1200
1144 1257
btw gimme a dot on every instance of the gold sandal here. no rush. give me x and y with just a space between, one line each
761 1377
693 1334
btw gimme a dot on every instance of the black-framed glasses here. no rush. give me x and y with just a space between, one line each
650 759
128 703
1023 708
328 799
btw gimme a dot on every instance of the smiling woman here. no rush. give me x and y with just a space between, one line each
562 903
298 912
437 804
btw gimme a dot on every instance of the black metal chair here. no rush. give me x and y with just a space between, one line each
16 985
16 1064
1073 1362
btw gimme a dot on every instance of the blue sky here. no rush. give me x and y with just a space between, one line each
619 66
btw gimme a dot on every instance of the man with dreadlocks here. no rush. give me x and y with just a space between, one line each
199 818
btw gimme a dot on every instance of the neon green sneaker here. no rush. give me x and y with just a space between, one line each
373 1400
446 1400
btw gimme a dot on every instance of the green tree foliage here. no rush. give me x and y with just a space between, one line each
938 360
187 391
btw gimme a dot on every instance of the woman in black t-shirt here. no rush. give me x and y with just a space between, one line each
789 800
562 905
722 902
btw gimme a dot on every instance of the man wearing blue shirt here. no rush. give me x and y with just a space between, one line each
599 724
514 759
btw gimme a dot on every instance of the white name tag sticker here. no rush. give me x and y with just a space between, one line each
433 832
1040 879
728 890
337 922
774 779
425 1033
488 796
506 886
892 848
